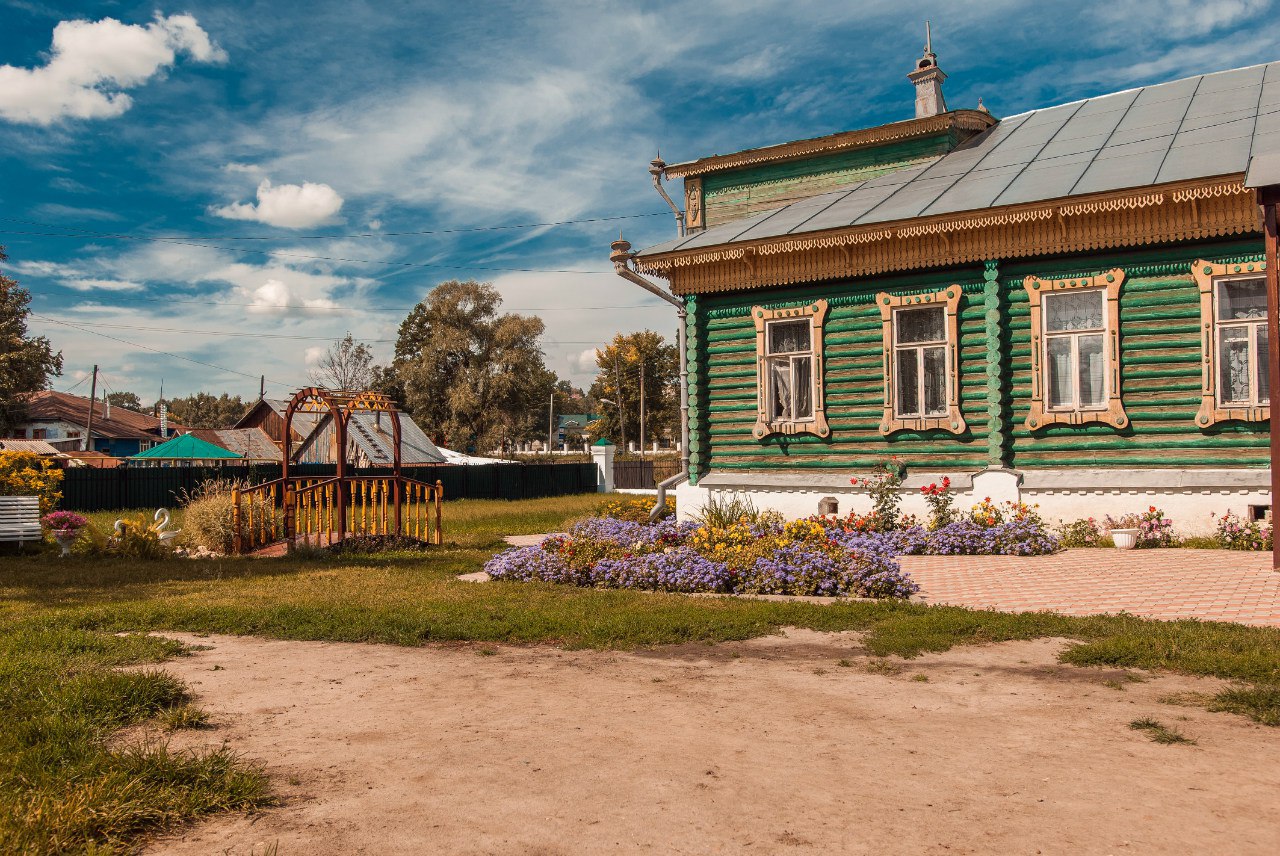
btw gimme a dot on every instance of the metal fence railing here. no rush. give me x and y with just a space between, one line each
642 475
92 489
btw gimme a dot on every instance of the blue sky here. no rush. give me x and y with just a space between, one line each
264 160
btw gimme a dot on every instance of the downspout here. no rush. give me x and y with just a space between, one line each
621 256
657 168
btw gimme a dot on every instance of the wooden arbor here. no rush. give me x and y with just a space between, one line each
310 510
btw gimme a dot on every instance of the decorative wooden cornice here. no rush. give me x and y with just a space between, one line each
962 120
1192 210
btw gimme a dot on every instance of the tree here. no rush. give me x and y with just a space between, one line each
347 364
469 375
203 410
127 400
619 380
26 362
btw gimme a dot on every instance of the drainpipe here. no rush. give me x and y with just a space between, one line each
621 256
657 167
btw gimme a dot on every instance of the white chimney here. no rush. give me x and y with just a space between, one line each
928 78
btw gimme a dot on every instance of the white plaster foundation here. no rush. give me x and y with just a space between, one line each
1188 497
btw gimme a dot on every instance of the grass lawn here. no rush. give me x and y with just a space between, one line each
65 787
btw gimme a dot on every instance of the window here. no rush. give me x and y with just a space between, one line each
1075 350
1233 314
789 370
39 433
1241 328
789 367
921 390
1074 342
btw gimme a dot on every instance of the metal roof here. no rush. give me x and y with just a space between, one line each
188 447
1199 127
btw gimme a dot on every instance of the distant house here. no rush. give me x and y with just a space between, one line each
570 427
268 415
253 445
60 419
369 442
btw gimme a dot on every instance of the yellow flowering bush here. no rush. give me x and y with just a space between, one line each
29 474
635 510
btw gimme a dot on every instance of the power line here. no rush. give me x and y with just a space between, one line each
453 231
158 351
91 236
118 298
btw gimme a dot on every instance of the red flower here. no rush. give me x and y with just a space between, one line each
853 481
946 482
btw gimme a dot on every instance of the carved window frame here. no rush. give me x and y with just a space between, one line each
816 313
953 419
1207 276
1112 413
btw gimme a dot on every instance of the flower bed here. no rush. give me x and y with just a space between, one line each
760 557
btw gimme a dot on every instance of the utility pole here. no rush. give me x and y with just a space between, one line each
622 417
87 445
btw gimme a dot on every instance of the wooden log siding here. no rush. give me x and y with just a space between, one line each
734 194
1160 357
853 344
1160 369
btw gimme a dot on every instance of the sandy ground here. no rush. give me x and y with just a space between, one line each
767 746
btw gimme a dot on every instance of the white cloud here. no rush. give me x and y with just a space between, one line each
274 295
101 284
291 206
313 356
91 63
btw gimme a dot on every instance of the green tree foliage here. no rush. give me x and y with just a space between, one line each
127 400
618 380
468 374
203 410
26 362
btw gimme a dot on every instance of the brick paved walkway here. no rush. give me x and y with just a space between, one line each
1217 585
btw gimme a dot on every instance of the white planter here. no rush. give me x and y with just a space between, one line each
1125 539
65 538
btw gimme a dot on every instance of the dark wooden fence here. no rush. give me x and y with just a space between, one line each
90 489
644 475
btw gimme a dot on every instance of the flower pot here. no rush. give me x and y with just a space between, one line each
1125 539
65 538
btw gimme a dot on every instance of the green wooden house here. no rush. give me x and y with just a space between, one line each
1063 307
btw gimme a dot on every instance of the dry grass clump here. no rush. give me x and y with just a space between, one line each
208 514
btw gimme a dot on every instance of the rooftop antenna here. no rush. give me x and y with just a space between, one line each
928 38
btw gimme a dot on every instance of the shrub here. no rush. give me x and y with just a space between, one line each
1239 533
1080 533
725 510
29 474
941 503
886 501
636 510
60 521
135 539
208 518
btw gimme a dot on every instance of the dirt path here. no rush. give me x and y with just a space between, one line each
768 746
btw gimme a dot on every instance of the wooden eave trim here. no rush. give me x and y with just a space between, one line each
1201 208
966 120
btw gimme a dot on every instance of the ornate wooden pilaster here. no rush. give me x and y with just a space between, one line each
997 425
695 336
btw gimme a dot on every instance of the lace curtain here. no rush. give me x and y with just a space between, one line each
1073 310
788 337
920 325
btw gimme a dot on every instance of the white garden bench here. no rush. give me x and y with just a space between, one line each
20 519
